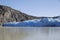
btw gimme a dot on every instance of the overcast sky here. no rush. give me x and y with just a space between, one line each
35 7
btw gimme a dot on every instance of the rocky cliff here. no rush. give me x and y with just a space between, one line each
8 14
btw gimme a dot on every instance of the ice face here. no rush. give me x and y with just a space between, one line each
36 23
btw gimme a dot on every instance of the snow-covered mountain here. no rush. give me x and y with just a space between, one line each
43 22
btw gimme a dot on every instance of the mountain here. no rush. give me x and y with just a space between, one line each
8 14
44 22
14 17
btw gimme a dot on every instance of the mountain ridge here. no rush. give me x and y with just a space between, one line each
8 14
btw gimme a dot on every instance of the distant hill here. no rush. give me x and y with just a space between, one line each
8 14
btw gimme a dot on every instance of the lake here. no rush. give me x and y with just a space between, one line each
30 33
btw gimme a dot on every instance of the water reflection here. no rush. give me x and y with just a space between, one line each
30 33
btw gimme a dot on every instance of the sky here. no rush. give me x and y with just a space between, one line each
35 7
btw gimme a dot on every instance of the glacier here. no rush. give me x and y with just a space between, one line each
43 22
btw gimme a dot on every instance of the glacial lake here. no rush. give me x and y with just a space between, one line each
30 33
